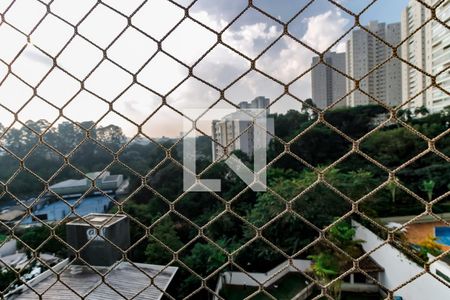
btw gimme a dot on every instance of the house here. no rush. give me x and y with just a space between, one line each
104 181
99 272
400 269
78 195
425 227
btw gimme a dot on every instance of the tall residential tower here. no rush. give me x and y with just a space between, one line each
427 47
414 51
328 86
364 53
236 132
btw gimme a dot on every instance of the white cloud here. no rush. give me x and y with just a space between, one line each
292 59
247 37
209 20
325 29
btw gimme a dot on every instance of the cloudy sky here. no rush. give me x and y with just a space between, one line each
132 84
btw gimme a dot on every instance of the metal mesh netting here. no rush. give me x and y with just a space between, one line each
112 21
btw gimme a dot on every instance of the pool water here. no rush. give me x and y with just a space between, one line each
443 235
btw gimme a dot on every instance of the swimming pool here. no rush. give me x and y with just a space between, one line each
443 235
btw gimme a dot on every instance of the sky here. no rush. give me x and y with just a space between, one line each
319 25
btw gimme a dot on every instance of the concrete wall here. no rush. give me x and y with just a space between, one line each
399 269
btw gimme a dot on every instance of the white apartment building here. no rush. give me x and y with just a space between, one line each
440 58
364 53
428 49
414 51
236 133
327 85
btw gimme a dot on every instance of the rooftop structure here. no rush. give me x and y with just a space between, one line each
124 281
103 181
97 220
12 214
99 233
101 274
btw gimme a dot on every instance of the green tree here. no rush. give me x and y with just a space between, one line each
343 235
429 245
205 258
164 231
328 264
7 277
421 111
325 269
324 266
36 238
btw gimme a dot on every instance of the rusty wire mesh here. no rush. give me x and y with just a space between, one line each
253 66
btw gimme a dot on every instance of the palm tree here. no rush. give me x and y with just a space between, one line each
428 186
325 269
392 187
324 266
327 265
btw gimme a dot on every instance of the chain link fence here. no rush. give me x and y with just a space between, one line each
203 283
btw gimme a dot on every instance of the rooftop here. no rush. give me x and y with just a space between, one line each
10 215
124 281
57 210
422 219
103 220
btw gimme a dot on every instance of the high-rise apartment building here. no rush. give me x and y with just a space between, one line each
364 53
257 103
236 132
414 51
328 85
440 57
439 62
427 48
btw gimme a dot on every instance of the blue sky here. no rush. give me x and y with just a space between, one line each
382 10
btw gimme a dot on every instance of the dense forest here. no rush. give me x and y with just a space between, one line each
289 217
